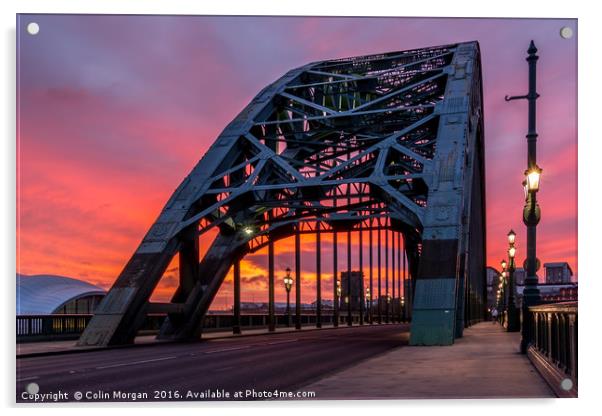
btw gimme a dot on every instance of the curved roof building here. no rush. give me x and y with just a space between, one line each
49 294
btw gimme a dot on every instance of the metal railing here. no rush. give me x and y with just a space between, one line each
553 336
64 327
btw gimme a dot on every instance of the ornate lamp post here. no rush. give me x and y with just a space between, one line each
368 302
513 318
402 304
288 284
338 299
503 291
531 211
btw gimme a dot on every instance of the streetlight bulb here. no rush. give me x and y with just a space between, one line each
248 231
533 177
511 252
511 237
504 264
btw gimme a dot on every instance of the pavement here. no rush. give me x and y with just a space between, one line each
484 363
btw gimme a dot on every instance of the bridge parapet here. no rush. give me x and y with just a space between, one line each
553 345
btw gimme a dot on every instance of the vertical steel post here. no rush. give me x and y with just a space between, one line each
335 259
271 316
298 277
400 317
348 297
387 300
318 277
361 267
406 298
371 271
393 299
236 307
379 272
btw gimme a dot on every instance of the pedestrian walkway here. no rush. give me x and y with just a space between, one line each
484 363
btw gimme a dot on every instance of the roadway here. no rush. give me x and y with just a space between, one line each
246 368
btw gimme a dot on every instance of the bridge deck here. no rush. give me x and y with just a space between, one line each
485 363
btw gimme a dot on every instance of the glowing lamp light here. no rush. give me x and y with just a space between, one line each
533 177
504 264
248 231
288 280
511 237
511 252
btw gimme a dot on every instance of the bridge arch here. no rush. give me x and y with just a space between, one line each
343 142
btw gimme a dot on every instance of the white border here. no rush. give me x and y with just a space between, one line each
589 195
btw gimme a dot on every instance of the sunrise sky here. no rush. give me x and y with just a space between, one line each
114 111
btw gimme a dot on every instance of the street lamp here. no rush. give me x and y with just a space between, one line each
511 237
513 318
504 281
288 284
368 301
403 308
531 210
532 179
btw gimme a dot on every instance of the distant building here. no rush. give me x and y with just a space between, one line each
520 275
558 273
49 294
357 286
562 292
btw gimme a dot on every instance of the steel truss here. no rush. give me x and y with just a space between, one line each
394 139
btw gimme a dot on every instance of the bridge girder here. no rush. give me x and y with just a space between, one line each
338 142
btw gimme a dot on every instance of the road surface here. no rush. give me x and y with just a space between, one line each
242 368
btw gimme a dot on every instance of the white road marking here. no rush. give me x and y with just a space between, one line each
135 363
227 349
27 378
282 342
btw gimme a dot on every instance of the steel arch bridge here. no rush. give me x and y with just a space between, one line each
394 139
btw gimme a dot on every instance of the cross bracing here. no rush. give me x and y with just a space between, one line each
340 143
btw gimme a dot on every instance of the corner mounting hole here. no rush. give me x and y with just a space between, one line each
566 384
566 32
33 28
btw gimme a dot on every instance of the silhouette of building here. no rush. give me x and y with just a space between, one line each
558 273
520 275
357 286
